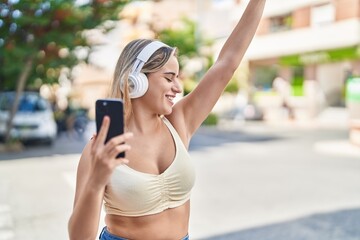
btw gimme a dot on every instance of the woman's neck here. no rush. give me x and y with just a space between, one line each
143 123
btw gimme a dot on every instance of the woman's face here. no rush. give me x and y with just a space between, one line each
164 85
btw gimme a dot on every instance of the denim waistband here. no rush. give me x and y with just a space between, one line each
105 235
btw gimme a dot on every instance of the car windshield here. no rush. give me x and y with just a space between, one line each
27 103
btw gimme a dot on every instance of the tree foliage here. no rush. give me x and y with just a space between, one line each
187 38
38 39
183 37
190 43
46 34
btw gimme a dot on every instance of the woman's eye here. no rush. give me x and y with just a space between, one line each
168 79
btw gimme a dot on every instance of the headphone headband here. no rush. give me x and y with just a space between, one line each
145 54
138 82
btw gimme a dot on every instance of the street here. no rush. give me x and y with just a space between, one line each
256 181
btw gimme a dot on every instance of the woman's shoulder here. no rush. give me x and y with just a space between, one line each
178 124
87 148
175 120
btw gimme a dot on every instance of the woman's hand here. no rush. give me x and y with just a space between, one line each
96 165
103 154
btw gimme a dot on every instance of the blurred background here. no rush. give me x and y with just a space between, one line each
288 123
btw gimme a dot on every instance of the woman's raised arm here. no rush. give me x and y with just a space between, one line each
196 106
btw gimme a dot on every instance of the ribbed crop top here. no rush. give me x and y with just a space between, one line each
134 193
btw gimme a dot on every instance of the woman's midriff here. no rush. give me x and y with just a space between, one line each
169 224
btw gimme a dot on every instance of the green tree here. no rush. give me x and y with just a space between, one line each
183 37
40 37
190 42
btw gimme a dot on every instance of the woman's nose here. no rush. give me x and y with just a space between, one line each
177 87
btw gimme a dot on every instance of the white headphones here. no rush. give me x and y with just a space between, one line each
138 82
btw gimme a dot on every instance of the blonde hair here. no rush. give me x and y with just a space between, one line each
124 65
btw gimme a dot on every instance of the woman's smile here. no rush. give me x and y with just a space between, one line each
170 98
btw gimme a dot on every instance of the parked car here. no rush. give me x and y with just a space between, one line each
34 119
249 112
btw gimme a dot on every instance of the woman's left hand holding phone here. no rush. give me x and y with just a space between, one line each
103 154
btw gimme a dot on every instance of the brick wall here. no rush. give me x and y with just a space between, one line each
346 9
301 18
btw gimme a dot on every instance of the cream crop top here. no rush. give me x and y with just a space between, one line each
134 193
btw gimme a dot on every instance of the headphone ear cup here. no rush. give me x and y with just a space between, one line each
138 85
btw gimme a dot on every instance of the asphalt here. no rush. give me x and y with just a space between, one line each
337 225
283 180
256 192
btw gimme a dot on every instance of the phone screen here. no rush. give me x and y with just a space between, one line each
115 110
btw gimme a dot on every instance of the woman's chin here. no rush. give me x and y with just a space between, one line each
167 111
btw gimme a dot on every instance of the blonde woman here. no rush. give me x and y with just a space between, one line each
147 195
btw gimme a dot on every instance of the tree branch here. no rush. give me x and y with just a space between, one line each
19 90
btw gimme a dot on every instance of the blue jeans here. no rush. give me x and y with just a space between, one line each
105 235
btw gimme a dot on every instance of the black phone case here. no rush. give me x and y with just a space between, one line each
115 110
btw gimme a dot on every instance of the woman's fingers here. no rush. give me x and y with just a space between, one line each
118 140
111 149
117 145
118 149
101 136
105 153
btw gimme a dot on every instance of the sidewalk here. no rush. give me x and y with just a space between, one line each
301 184
6 219
330 118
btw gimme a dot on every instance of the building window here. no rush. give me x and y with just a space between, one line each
264 76
323 14
221 4
280 23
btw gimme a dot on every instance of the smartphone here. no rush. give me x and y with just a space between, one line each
114 108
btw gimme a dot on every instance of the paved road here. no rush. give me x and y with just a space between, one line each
253 182
276 184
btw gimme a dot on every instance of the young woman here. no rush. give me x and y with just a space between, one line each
146 195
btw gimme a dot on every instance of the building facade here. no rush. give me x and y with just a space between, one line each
308 43
312 44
